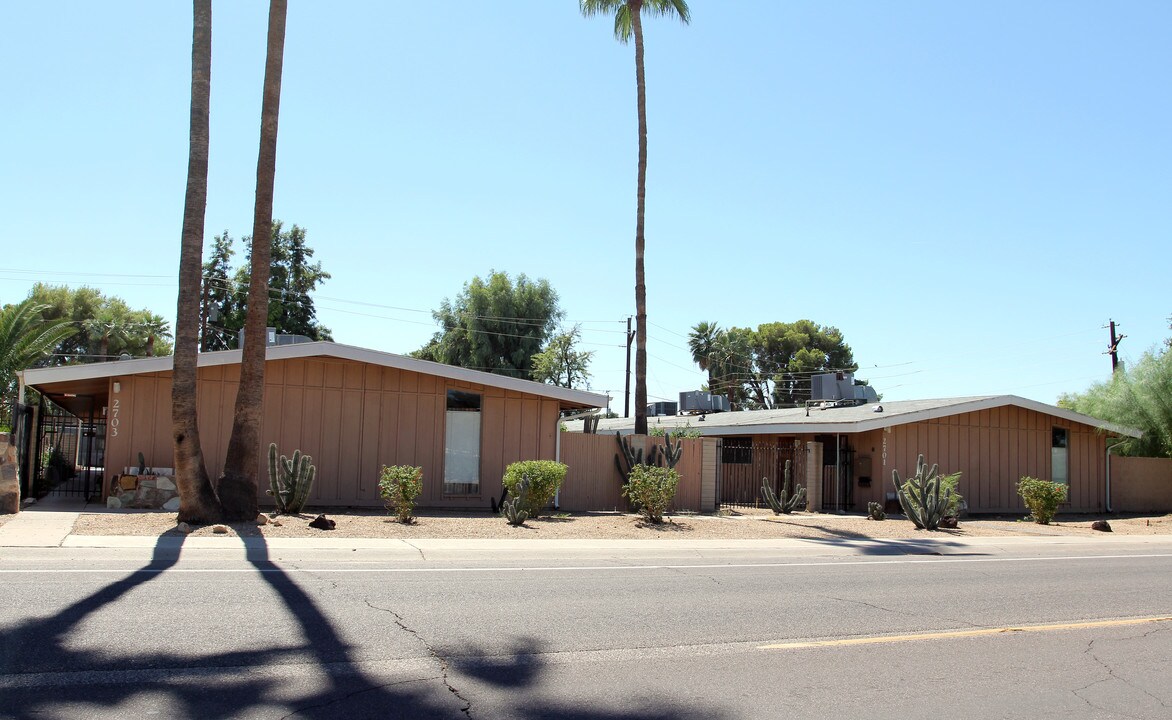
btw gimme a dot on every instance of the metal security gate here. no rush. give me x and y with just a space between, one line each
743 466
70 452
837 478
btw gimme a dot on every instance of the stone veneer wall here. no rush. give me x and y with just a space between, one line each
9 481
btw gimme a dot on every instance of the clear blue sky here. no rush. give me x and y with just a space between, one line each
968 190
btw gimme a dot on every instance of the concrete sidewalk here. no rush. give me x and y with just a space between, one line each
43 524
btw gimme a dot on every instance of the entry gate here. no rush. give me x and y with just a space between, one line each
743 466
70 452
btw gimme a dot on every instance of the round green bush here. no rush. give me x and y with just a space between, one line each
1042 497
651 489
545 478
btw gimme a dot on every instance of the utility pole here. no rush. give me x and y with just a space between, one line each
627 391
1113 348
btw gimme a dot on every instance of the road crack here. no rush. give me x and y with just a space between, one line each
417 549
1112 675
443 662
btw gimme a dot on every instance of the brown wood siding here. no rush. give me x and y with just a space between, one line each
1141 484
993 449
350 417
593 482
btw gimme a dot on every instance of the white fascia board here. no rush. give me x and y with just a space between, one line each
141 366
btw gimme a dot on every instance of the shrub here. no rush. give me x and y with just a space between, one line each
399 485
651 489
1042 497
687 431
545 477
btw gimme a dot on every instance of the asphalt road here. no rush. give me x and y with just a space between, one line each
1011 629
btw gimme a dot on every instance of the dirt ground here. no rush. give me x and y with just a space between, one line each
740 524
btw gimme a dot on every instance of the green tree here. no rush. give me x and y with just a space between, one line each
561 363
218 299
770 366
107 327
198 502
1138 396
628 23
292 279
495 325
237 487
785 355
26 340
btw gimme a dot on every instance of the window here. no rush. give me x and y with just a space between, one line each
737 451
1059 454
462 443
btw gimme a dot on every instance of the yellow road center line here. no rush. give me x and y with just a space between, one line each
962 633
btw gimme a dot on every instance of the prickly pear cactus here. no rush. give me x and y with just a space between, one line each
787 502
290 480
920 496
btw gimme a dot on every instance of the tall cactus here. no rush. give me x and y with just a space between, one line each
514 510
290 480
786 502
920 496
630 457
672 452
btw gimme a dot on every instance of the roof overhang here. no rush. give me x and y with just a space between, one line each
71 374
742 423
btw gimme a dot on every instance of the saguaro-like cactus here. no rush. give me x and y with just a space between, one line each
672 452
920 496
786 502
630 456
290 480
514 510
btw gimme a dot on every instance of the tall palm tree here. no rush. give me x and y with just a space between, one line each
700 342
237 487
197 499
628 23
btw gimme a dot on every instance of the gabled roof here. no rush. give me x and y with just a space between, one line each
91 371
848 419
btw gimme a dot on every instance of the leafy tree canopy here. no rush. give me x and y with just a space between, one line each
561 363
292 280
105 326
1139 396
770 366
495 324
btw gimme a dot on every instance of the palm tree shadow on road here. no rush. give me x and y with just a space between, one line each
43 672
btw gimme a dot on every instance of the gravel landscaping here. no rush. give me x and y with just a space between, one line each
739 524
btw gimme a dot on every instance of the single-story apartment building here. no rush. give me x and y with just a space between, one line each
352 409
844 454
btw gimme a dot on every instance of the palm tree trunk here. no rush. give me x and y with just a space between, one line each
237 487
640 282
197 499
